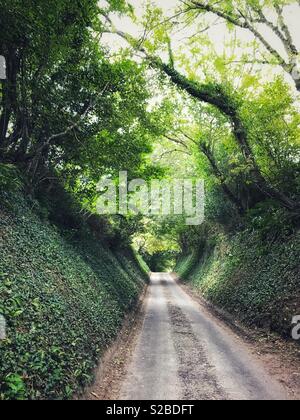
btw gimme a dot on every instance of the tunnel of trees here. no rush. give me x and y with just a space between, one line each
94 88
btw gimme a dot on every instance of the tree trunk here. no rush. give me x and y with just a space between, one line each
9 97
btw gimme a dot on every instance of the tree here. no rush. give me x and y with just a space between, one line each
65 107
255 17
228 102
36 40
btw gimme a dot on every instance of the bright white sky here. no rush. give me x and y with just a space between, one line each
292 15
218 34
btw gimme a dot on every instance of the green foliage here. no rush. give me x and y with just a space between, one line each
63 297
142 263
9 178
254 279
270 221
160 261
272 120
72 109
73 112
14 387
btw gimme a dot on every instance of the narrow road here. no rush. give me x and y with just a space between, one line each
184 352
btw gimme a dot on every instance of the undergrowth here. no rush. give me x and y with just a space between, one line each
63 296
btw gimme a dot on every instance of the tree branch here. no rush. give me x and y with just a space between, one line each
168 152
249 25
288 40
175 140
62 134
215 94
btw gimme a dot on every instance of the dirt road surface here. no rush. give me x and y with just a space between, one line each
184 352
